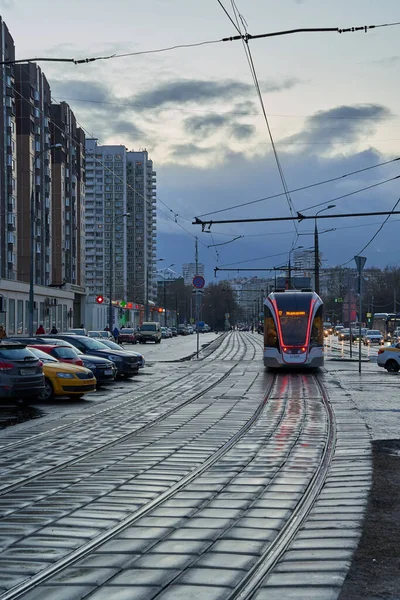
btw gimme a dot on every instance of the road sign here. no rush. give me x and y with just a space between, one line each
198 281
360 262
227 315
201 324
198 292
369 315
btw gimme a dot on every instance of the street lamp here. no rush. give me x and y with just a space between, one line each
32 263
316 248
165 294
111 283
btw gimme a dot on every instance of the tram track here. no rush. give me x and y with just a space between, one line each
295 417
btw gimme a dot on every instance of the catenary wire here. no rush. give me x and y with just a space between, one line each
304 187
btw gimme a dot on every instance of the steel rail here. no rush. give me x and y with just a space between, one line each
112 443
89 547
100 413
249 585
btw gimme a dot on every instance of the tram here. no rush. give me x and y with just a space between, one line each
293 329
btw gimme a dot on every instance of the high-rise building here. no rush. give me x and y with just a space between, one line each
189 271
142 226
68 198
33 102
106 225
8 172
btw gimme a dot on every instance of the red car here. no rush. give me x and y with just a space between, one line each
62 353
127 336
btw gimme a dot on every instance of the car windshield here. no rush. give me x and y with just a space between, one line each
94 344
16 354
65 352
374 332
44 357
126 330
64 343
111 345
148 327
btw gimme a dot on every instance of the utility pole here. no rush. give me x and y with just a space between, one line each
316 259
360 262
196 257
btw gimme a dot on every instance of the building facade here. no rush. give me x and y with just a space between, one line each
142 227
33 101
189 272
8 171
68 197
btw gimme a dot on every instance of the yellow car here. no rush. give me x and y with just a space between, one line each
63 379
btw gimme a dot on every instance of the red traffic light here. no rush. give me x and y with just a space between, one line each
100 299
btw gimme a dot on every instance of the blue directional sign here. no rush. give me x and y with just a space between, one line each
198 281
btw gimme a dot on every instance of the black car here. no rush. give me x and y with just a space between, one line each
21 374
127 365
103 369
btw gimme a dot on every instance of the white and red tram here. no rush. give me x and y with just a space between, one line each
293 330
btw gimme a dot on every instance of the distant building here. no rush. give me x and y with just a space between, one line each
189 272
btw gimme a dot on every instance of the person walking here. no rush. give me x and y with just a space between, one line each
54 329
40 330
116 333
3 334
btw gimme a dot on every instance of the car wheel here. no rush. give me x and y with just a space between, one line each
48 391
391 366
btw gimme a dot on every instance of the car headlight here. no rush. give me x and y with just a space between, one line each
115 358
65 375
90 365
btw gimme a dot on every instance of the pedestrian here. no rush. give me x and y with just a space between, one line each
106 328
3 334
54 329
116 333
40 330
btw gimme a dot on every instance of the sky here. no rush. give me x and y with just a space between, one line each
331 102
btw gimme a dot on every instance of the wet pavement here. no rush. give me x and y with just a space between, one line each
188 480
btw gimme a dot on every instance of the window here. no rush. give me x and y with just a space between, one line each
11 316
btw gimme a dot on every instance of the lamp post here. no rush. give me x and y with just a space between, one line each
165 294
33 240
111 282
316 248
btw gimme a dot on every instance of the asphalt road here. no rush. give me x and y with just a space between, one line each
204 479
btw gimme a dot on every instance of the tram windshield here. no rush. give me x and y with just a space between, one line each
293 312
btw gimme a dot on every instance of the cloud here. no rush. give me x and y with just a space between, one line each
183 151
241 131
205 125
342 124
279 86
81 88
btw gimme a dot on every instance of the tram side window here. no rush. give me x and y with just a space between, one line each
270 332
317 330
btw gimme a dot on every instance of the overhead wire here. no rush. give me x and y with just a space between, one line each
302 188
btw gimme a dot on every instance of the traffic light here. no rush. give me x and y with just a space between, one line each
99 299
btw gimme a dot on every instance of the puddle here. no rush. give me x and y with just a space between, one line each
10 414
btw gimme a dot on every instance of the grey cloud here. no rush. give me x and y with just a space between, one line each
127 128
342 124
81 89
188 150
390 61
241 131
191 90
278 86
206 125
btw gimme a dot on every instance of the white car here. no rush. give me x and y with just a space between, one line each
389 358
373 336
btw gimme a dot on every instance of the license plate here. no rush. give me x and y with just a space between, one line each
27 371
108 372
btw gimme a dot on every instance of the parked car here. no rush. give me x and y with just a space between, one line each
21 373
78 331
174 331
389 358
127 336
62 353
190 329
94 334
126 365
164 333
103 369
61 379
149 332
373 336
169 332
114 346
106 334
182 330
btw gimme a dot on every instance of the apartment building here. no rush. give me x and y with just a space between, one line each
68 198
142 227
8 172
33 102
106 225
189 271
